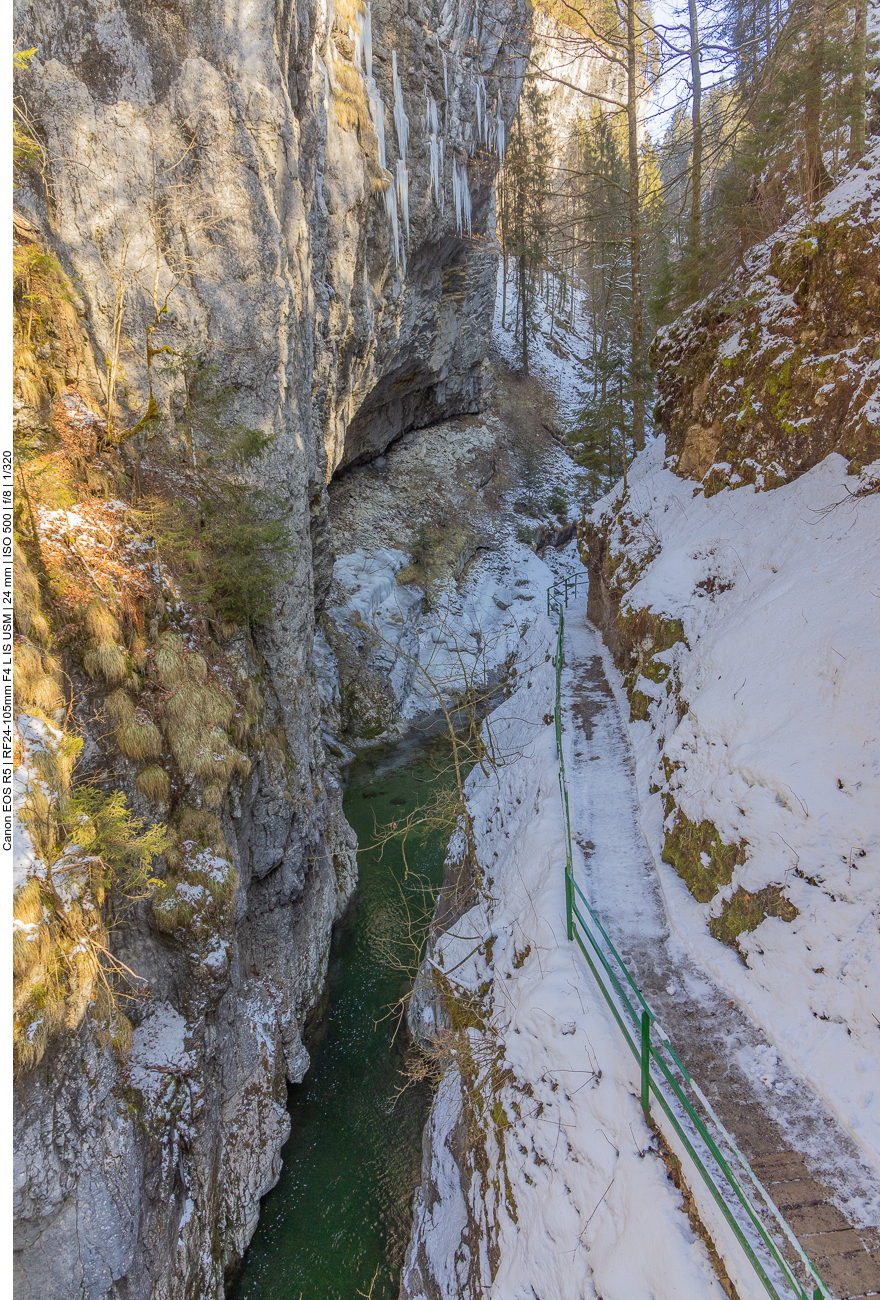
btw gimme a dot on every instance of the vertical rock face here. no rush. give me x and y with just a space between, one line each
215 171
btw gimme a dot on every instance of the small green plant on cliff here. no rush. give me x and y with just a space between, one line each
26 148
437 547
93 860
226 538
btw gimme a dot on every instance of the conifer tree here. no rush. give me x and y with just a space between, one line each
526 205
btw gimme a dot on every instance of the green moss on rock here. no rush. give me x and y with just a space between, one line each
701 857
745 911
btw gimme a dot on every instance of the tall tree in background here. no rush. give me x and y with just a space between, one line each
526 206
857 84
635 227
620 33
694 239
818 180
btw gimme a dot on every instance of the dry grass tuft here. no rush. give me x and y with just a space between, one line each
107 661
100 623
197 826
35 680
197 713
135 734
140 741
106 658
29 621
175 664
29 936
27 669
154 784
351 104
120 706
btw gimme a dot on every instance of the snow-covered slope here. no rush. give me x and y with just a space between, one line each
556 347
779 366
762 719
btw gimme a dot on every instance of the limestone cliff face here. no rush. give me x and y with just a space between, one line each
213 181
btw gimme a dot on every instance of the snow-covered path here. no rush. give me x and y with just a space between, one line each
794 1143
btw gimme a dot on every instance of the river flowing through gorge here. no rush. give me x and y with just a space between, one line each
339 1218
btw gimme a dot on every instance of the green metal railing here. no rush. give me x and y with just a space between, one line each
662 1073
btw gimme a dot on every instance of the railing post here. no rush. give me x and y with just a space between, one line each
646 1064
569 905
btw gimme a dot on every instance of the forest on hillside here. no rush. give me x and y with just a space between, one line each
699 130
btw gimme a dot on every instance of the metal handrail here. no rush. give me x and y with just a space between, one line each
614 979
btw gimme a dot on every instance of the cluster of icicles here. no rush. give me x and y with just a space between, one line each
490 133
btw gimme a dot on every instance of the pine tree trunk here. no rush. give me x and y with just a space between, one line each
857 87
818 179
638 326
525 316
697 145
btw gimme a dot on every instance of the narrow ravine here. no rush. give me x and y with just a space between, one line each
338 1221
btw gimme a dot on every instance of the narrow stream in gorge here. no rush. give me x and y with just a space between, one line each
340 1214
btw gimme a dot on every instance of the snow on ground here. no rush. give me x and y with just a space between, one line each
468 632
576 1203
384 512
779 747
553 352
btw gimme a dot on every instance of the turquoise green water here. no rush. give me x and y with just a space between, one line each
340 1214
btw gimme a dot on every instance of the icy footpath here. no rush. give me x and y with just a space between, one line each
762 1101
540 1177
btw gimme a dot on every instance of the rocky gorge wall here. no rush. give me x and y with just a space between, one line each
242 184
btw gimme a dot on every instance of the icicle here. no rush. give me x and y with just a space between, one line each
401 121
432 124
326 90
434 152
501 139
445 90
377 113
461 195
476 22
391 208
403 193
479 109
363 39
442 189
